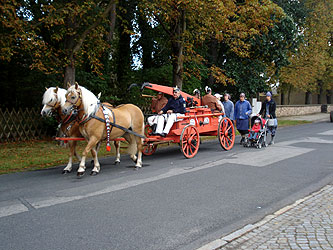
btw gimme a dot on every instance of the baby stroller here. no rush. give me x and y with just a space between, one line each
257 134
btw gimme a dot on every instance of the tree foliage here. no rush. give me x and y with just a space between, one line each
231 45
310 66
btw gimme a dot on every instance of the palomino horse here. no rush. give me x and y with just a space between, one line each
128 122
54 100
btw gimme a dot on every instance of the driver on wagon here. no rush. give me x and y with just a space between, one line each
175 107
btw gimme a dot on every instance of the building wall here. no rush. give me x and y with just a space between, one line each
292 110
298 98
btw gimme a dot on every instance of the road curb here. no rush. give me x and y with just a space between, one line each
219 243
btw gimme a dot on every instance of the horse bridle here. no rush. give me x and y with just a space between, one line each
55 104
78 100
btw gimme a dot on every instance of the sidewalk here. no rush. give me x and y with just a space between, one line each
318 117
307 224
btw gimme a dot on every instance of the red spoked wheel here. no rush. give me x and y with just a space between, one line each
149 149
189 141
148 130
226 133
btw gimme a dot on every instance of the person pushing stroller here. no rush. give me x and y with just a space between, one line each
268 111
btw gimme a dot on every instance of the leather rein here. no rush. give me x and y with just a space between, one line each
85 119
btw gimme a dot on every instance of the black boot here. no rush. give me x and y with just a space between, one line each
242 140
272 140
153 129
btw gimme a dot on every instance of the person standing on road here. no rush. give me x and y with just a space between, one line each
267 111
228 107
242 112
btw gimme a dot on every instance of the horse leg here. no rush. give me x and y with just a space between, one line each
91 144
97 166
131 150
72 151
75 152
117 145
92 153
139 145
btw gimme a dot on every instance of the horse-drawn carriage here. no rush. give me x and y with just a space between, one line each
197 121
97 121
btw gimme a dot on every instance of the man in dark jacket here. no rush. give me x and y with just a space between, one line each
175 107
267 111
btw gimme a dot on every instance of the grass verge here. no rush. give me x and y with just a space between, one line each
287 123
32 155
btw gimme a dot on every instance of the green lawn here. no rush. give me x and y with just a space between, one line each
286 123
23 156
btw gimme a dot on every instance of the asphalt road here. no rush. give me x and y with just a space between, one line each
171 203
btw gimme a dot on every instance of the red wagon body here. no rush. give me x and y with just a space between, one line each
197 121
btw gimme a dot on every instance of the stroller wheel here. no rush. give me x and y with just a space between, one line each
259 145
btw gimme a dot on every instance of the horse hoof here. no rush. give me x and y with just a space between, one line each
80 174
116 162
65 171
93 173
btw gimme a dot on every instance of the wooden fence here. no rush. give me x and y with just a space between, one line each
27 124
21 125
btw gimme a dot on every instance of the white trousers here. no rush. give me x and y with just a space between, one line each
170 119
152 120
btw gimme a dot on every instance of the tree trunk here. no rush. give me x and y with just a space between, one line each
329 96
289 93
213 54
177 45
319 92
69 74
69 70
112 18
308 97
177 64
282 98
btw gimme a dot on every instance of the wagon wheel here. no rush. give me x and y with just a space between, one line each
226 133
189 141
149 149
148 130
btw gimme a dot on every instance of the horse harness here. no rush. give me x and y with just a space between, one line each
69 119
108 123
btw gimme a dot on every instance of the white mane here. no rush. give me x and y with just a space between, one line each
89 100
49 96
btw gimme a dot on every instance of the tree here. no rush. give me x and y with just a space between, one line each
311 65
59 35
189 23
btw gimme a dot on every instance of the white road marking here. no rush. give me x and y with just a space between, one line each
15 207
268 156
253 157
328 132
